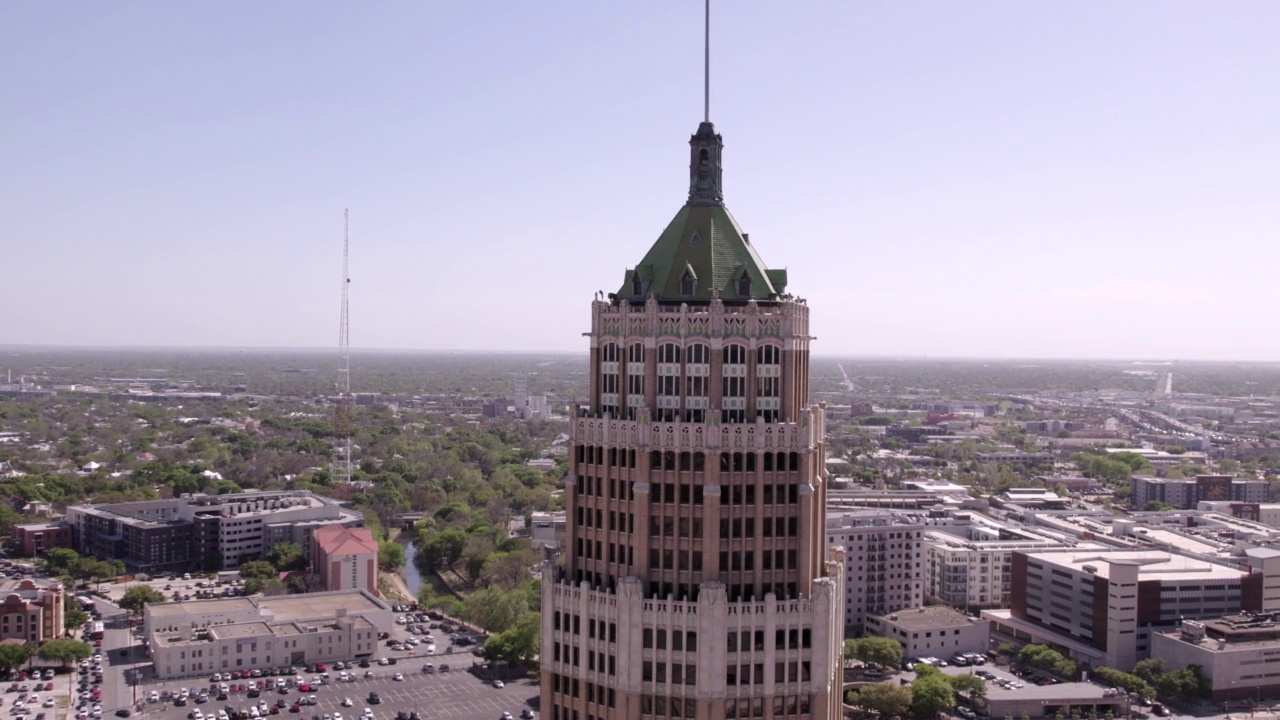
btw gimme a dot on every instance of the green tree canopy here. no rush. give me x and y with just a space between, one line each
65 651
13 656
74 618
391 555
518 643
881 651
889 699
931 693
257 570
139 596
285 556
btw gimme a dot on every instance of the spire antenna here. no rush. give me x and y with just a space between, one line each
706 66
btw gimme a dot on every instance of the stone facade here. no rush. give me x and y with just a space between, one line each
696 580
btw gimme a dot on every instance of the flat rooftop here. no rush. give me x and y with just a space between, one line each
932 617
197 608
312 606
1153 565
241 630
284 608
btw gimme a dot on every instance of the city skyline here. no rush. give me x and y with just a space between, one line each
987 182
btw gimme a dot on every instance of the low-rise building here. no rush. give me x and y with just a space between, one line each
31 611
1239 654
39 538
933 631
205 636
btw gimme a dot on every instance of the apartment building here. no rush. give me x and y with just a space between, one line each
971 573
1102 606
883 563
1188 493
205 636
202 532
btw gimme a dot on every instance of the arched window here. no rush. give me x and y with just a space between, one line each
744 285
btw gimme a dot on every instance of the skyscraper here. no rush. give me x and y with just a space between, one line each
696 581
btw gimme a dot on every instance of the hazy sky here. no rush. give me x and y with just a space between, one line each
958 179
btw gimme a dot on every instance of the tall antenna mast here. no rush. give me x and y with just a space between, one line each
342 408
706 67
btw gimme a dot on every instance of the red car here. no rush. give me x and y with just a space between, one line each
304 687
320 667
296 708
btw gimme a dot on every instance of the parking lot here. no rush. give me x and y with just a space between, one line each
455 694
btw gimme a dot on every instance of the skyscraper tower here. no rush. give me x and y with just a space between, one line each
696 581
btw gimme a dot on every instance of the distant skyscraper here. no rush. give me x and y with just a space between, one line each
696 580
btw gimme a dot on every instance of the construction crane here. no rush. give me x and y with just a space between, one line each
344 400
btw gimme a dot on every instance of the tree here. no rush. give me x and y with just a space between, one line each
850 651
1130 682
91 568
13 656
74 618
285 556
518 643
973 685
881 651
495 609
390 555
60 560
257 570
66 651
887 699
931 693
138 597
445 548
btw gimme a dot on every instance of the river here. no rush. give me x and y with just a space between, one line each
412 577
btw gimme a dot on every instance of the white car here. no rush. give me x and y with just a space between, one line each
499 684
368 713
346 702
397 677
337 716
153 696
222 715
431 649
383 661
48 702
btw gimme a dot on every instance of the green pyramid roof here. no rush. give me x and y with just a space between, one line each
705 241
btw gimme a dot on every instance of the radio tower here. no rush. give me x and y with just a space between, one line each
342 406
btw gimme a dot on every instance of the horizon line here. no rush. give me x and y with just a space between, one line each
232 349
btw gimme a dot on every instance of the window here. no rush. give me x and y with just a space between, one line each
688 282
744 285
637 285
